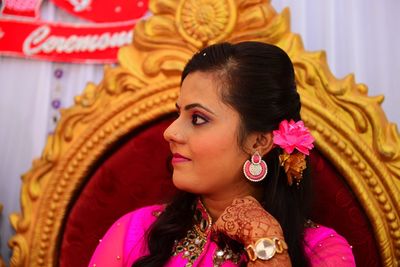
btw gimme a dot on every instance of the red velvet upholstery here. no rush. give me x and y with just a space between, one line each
336 206
136 175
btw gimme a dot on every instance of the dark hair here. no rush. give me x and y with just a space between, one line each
257 80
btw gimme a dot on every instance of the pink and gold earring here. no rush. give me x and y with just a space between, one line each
256 169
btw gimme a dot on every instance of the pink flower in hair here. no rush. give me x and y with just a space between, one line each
293 135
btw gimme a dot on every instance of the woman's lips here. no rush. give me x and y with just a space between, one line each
178 158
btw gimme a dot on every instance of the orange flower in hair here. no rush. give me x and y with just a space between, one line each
294 165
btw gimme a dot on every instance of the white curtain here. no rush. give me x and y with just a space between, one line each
360 36
31 94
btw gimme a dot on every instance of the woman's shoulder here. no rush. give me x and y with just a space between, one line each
146 211
142 217
325 247
137 220
126 234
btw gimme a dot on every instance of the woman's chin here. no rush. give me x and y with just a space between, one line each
184 184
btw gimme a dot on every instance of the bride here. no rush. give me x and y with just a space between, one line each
240 159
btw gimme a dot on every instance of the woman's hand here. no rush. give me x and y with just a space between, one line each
246 221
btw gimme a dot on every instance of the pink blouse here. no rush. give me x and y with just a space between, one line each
125 242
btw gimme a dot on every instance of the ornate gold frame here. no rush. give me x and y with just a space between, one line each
350 128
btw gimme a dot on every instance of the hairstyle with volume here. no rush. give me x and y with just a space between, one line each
257 80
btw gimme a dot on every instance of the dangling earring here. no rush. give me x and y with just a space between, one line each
256 169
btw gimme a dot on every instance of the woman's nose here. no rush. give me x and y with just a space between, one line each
171 134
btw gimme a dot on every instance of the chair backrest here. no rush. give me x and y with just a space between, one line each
127 109
134 175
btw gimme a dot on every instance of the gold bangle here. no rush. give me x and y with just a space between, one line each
265 248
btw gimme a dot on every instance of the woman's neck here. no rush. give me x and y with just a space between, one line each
215 207
217 203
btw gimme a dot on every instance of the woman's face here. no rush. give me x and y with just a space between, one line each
204 139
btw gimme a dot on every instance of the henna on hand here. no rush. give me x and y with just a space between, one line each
246 221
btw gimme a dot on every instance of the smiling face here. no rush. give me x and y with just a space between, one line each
204 140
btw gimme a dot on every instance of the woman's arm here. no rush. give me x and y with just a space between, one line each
325 247
246 221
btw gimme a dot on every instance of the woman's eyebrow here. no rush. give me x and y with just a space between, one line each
195 105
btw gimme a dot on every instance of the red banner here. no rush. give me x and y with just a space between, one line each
23 34
86 43
25 8
104 10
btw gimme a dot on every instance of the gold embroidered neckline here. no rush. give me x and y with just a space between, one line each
192 245
202 218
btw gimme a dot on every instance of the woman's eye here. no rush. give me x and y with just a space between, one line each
198 120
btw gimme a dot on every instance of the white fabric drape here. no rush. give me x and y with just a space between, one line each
28 88
360 36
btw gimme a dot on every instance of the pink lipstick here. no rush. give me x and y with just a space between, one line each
178 158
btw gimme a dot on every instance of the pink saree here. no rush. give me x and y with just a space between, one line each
125 242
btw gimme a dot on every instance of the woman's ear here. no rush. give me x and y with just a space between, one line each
263 143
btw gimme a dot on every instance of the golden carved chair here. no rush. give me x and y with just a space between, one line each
84 180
